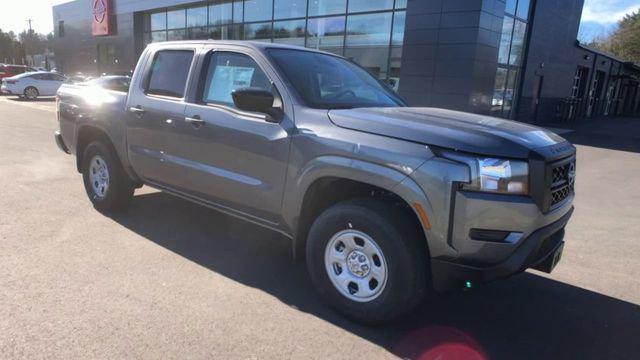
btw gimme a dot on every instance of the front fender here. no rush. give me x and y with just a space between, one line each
377 175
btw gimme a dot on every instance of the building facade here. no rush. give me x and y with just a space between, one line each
515 59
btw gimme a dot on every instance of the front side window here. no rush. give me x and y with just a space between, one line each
169 72
329 82
230 71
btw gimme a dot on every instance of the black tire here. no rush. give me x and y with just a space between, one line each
401 244
31 89
120 188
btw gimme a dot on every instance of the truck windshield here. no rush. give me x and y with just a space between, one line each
329 82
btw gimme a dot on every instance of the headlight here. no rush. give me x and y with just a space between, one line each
499 176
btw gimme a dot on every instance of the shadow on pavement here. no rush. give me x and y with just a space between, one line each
528 316
610 133
39 99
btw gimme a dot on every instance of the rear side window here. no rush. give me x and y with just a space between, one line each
229 71
169 72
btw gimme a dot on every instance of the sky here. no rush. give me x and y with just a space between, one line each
601 16
598 16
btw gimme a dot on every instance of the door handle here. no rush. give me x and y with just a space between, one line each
137 110
195 120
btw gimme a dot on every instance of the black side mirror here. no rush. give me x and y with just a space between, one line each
256 100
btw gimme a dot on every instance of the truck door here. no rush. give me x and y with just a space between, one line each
154 107
229 157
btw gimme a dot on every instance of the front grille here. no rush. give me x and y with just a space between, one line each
563 176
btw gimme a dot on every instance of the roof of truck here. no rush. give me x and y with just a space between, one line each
256 45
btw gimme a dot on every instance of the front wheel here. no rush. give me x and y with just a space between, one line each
366 262
105 182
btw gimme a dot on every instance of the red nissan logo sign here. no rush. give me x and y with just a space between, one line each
100 17
99 10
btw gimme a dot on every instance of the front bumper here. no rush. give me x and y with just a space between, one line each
60 142
534 251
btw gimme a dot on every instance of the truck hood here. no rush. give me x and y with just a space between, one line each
449 129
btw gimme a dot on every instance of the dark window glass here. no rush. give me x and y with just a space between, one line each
197 16
394 68
176 19
221 13
158 36
505 40
398 27
369 5
289 32
257 10
176 35
60 28
511 7
327 7
169 72
372 29
517 44
509 92
238 11
326 34
230 71
286 9
329 82
159 21
258 31
523 9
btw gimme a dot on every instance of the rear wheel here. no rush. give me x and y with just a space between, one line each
105 182
31 93
367 263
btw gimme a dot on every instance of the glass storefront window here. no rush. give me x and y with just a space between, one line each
257 10
176 19
259 31
175 35
510 7
197 33
289 32
287 9
327 7
372 39
221 13
238 11
523 9
326 34
505 40
158 21
371 29
498 93
369 5
517 44
197 16
228 32
399 19
157 36
374 59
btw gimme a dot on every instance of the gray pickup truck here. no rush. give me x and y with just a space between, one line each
385 202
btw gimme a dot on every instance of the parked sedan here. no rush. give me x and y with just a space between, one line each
7 70
32 85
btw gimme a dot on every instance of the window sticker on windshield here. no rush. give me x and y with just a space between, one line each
226 79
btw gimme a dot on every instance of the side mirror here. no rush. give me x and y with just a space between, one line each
256 100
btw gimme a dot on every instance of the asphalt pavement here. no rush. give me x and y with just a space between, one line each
170 279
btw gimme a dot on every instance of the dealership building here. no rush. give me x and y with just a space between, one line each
516 59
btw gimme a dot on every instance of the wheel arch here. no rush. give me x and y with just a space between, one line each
89 133
328 180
